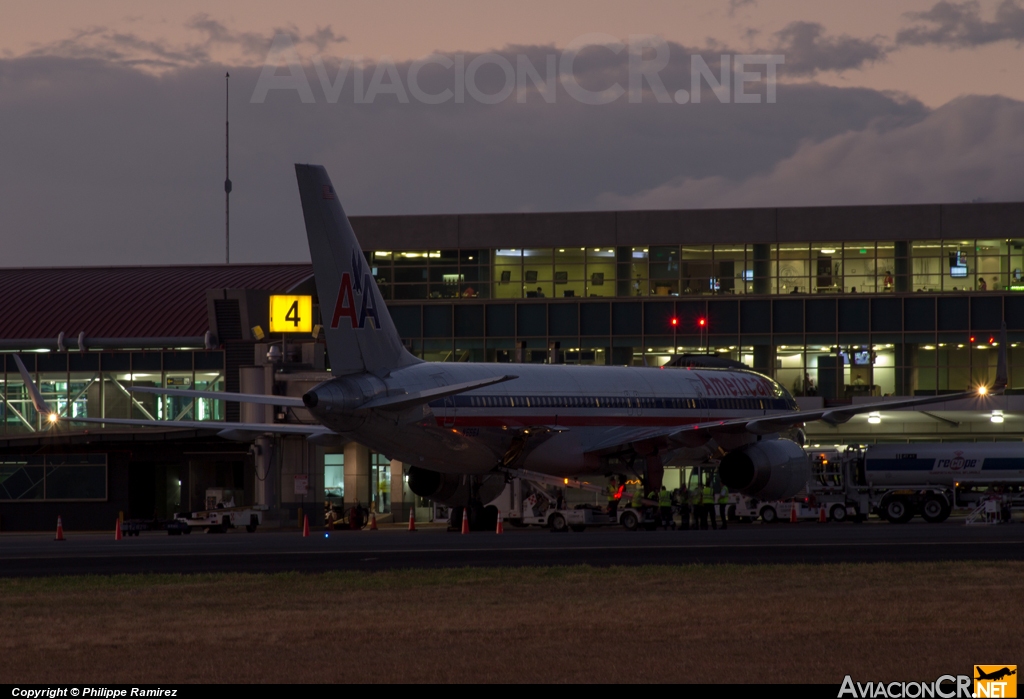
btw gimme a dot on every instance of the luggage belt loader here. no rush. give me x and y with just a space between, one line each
528 500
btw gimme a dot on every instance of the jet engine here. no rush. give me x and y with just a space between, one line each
451 489
769 470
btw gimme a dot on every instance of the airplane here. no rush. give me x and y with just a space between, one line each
996 675
463 427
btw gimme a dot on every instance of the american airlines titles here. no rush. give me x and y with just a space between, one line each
737 386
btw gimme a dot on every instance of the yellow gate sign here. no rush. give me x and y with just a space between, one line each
291 314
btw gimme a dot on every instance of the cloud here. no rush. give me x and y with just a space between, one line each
736 5
808 50
106 164
214 42
971 148
960 25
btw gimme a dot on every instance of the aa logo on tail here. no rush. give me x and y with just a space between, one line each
355 297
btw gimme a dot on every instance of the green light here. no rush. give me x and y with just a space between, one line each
863 251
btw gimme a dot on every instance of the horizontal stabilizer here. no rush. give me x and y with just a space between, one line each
408 400
259 398
231 428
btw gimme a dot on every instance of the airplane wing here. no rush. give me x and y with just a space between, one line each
392 402
260 398
675 436
41 406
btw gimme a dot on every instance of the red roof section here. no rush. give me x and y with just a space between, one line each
165 301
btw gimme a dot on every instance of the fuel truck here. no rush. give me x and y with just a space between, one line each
899 481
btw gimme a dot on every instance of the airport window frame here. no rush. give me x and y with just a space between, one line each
67 387
48 465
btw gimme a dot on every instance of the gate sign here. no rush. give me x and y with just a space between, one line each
291 314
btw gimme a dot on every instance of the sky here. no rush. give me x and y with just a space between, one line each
112 113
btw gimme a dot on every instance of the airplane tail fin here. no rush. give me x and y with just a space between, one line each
361 336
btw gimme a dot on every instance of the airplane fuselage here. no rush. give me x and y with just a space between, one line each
549 418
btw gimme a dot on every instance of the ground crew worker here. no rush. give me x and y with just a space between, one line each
665 505
700 513
723 504
637 502
613 499
709 504
684 508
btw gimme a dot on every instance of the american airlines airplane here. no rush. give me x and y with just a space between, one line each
463 426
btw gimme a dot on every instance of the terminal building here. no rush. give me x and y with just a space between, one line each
838 304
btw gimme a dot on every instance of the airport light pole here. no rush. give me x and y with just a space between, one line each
227 172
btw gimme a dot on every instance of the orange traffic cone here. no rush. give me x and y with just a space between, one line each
465 521
305 525
501 526
117 530
412 519
792 514
60 530
822 515
373 521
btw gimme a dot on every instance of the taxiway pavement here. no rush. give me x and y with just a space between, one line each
36 554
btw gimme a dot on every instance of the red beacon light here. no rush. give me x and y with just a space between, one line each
702 322
674 322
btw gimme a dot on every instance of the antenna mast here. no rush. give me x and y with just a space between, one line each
227 174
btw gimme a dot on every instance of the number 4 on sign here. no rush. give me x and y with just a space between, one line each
291 314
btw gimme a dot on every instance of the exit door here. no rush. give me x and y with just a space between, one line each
700 397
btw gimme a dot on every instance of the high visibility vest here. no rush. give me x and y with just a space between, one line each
637 496
707 496
611 493
665 499
723 496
